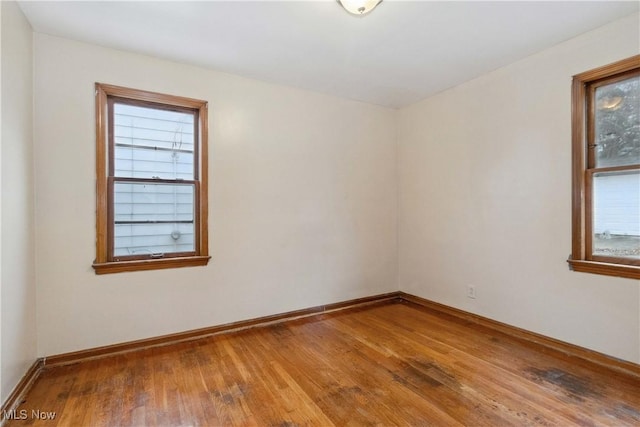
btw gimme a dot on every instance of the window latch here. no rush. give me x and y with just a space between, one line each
157 255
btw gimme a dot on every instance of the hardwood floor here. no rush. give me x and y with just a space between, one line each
387 364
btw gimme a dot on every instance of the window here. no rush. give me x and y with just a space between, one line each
606 170
151 187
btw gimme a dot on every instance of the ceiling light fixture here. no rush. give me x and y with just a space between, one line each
359 7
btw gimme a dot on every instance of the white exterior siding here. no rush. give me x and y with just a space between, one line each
153 202
144 239
153 143
617 204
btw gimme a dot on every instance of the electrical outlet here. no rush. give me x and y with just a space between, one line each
471 291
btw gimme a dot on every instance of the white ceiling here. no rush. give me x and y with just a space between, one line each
402 52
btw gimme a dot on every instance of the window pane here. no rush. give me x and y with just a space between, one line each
153 218
616 219
136 162
153 143
148 239
617 123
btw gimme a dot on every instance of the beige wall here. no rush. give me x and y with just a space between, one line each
302 202
17 280
484 200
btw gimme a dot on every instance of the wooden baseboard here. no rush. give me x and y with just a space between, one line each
570 350
21 389
606 361
110 350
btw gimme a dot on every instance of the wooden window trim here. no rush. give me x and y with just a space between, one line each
103 264
582 112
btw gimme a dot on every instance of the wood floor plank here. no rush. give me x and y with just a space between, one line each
570 381
445 367
393 364
349 398
490 379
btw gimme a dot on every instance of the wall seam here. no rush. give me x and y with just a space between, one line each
397 195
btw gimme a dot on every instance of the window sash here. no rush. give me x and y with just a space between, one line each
111 100
591 111
590 216
112 222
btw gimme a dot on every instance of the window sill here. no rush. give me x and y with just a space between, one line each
149 264
607 269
